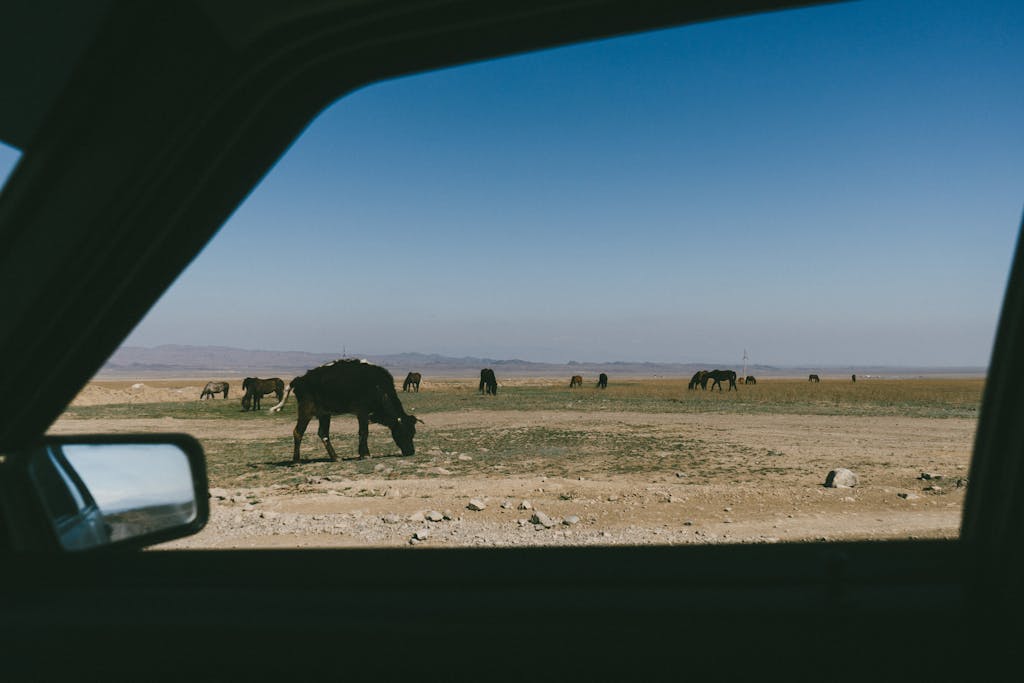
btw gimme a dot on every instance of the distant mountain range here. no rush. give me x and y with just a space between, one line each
214 361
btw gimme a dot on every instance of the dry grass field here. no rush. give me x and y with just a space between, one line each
644 461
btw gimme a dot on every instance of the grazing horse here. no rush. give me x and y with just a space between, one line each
576 381
699 378
813 378
750 380
716 377
488 382
350 386
256 388
602 381
411 380
212 388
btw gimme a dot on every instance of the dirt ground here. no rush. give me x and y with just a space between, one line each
758 478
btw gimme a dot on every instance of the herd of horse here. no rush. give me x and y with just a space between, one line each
357 387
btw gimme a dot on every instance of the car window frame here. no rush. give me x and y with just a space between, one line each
228 133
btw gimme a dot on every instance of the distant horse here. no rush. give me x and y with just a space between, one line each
576 381
750 380
212 388
813 378
716 377
699 378
256 388
488 382
853 377
411 380
602 381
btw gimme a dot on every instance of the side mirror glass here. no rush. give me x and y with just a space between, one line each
120 491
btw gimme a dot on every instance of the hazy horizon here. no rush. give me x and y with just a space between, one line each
582 362
835 186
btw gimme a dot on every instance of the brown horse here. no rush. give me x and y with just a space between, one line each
576 381
488 382
256 388
412 380
813 378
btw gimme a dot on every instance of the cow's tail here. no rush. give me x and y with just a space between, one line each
277 408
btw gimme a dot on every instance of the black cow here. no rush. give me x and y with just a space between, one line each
716 377
576 381
350 386
411 380
813 378
212 388
602 381
750 380
488 382
256 388
699 378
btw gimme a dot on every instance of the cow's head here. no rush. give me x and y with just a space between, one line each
403 431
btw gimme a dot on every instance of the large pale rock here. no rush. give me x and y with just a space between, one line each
476 504
841 478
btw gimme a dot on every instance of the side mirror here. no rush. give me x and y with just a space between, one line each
107 491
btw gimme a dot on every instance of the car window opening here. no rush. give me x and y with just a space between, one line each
676 288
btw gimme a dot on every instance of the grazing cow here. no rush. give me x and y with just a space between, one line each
488 382
411 380
212 388
716 377
813 378
699 378
256 388
602 381
576 381
355 387
750 380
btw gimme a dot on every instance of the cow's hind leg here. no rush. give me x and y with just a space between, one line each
300 429
364 433
324 432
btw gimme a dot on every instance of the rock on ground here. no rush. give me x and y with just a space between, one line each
840 478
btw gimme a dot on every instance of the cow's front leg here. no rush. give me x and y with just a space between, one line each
364 433
324 432
300 429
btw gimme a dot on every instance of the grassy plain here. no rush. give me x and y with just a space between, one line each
543 426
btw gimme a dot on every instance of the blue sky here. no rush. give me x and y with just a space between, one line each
839 185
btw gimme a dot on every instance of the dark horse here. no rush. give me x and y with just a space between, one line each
256 388
699 378
813 378
488 382
350 386
212 388
411 380
750 380
576 381
716 377
602 381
